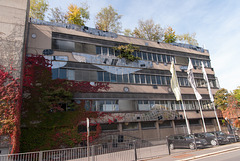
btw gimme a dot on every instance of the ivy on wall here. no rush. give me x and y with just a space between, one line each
50 117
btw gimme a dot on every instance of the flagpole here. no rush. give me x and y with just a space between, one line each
210 95
185 116
219 127
204 126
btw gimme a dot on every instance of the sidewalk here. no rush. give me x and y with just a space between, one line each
178 155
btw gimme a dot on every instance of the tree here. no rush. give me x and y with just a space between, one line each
38 8
236 93
169 35
148 30
126 52
57 15
108 20
77 15
127 32
221 99
187 38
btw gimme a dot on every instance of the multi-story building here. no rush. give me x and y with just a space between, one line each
140 91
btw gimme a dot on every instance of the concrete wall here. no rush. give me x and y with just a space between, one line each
126 105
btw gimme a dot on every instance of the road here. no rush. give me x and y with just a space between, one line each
229 152
229 156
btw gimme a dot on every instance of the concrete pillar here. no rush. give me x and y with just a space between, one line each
174 127
157 128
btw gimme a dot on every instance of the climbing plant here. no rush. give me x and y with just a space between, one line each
126 51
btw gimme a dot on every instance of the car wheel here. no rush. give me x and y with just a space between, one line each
192 146
171 146
213 142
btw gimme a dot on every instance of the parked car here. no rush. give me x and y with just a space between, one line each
230 137
211 138
185 141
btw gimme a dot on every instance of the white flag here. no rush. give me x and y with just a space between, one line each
191 80
174 83
206 79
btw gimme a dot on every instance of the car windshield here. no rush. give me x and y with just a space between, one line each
189 137
208 134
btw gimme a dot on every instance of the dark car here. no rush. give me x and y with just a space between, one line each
230 137
185 141
211 138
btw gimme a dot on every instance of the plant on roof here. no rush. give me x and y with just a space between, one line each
126 51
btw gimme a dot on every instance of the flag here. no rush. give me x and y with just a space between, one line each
206 79
174 83
191 80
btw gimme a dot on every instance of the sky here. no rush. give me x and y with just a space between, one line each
215 22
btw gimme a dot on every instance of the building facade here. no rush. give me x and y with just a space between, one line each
140 95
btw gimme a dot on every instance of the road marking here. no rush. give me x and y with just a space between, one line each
210 154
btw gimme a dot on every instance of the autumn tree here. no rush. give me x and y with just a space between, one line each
77 15
38 8
169 35
56 15
188 38
221 99
236 93
108 20
126 51
148 30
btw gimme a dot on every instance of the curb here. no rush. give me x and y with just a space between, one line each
209 154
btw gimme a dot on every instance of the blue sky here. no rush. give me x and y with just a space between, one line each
216 23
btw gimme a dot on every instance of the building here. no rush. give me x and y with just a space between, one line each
140 95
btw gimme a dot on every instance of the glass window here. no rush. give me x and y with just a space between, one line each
106 77
104 49
131 79
163 80
148 78
134 53
165 124
137 78
144 56
148 125
117 52
119 78
125 78
193 62
71 74
168 59
139 54
160 58
153 77
154 57
98 50
100 105
113 77
111 51
142 79
149 55
158 80
130 126
62 73
109 127
164 58
100 76
168 80
54 73
63 45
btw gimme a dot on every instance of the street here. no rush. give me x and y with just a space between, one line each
230 152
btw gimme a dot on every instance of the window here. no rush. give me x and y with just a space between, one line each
131 79
154 57
144 56
139 54
163 80
62 73
83 128
63 45
160 58
125 78
109 127
148 125
158 80
165 124
106 77
71 74
104 50
130 126
148 78
194 122
100 76
142 79
149 55
119 78
54 73
180 123
164 58
168 80
98 50
113 78
137 78
111 51
153 77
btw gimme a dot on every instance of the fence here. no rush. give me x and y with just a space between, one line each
119 151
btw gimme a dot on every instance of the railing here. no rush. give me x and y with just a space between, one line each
124 151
